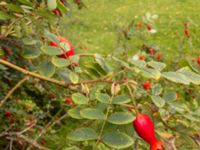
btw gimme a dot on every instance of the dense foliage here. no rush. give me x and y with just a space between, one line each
52 97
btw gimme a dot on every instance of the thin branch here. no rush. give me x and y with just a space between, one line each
61 83
28 128
104 122
12 136
133 99
48 126
13 90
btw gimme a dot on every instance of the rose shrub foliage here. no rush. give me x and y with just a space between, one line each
53 97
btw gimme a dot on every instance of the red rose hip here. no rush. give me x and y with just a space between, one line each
198 60
147 85
156 146
145 128
70 52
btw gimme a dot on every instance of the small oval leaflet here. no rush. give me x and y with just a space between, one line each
79 98
52 51
92 113
103 98
60 62
117 140
121 118
158 101
75 113
46 69
121 99
52 4
83 134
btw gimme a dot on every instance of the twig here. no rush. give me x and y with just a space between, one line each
13 90
104 122
133 99
11 144
28 128
61 83
48 126
15 136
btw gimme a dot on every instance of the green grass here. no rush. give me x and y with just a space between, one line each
93 28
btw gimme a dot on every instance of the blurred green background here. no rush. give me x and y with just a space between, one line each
93 29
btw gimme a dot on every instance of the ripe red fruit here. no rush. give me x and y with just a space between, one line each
147 85
8 114
156 146
7 50
43 142
152 51
141 57
186 24
130 109
187 33
4 58
57 12
68 101
149 27
198 60
139 24
78 2
145 128
71 47
158 57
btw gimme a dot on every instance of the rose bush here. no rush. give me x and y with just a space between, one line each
52 97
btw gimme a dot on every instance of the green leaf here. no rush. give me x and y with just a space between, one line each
138 63
73 77
158 101
51 4
4 16
30 53
27 2
79 98
176 77
92 113
191 76
121 99
27 9
157 65
157 89
71 148
120 118
46 69
65 46
101 61
194 66
62 7
151 73
169 95
14 8
117 140
74 58
103 98
51 37
60 62
75 113
2 67
52 51
29 41
121 62
83 134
